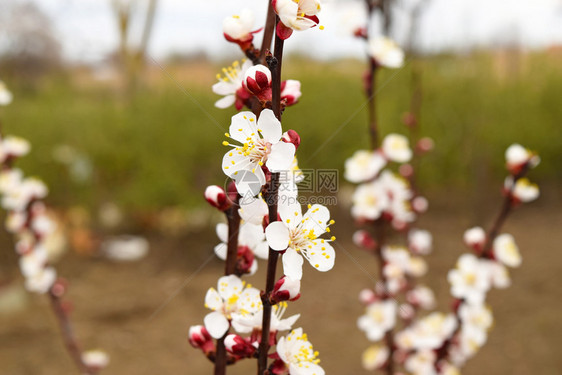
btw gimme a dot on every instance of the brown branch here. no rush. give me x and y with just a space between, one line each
233 218
272 199
67 334
268 31
372 103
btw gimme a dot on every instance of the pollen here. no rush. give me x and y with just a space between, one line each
321 27
225 143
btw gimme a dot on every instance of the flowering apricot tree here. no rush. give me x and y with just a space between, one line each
386 204
264 215
28 221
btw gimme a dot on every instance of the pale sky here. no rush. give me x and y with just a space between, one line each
88 32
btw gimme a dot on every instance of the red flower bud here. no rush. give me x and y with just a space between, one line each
238 346
199 338
257 81
291 136
286 289
216 196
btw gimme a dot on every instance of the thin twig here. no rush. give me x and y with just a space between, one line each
272 199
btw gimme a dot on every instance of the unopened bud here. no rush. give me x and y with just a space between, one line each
406 311
216 196
475 238
420 204
257 81
406 170
409 119
290 91
363 239
286 289
367 296
236 345
425 144
200 338
291 136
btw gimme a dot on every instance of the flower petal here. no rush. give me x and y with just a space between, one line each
281 157
229 286
216 324
213 300
322 256
316 218
225 102
243 126
222 232
277 235
252 210
292 264
269 126
220 251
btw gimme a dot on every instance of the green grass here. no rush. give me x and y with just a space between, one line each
163 146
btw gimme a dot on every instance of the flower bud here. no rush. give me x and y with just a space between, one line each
406 311
517 157
367 296
420 241
216 196
286 289
199 338
409 119
363 239
257 81
475 238
406 170
420 204
291 136
425 144
290 91
236 345
95 359
245 261
523 191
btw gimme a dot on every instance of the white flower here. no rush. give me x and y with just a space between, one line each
290 91
250 236
5 95
28 190
477 315
232 297
298 354
10 180
369 201
499 275
33 262
386 52
420 241
421 296
516 156
524 190
379 318
299 234
230 86
41 281
97 359
286 289
506 250
428 333
261 145
238 28
363 166
12 146
297 15
396 148
470 280
246 323
475 237
374 357
421 363
253 209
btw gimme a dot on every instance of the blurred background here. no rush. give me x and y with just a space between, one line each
115 98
